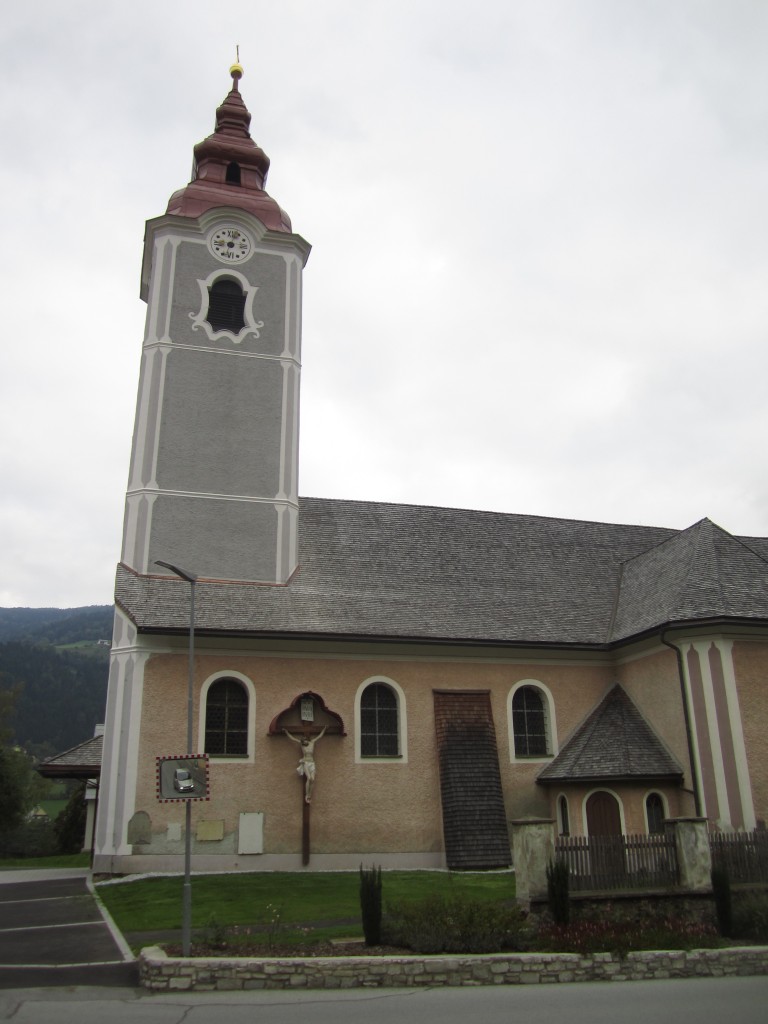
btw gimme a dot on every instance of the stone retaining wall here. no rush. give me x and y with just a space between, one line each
161 973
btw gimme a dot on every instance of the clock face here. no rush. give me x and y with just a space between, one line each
230 244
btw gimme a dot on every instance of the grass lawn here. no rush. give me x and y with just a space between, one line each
53 807
59 860
327 904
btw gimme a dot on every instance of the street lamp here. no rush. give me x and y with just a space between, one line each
186 912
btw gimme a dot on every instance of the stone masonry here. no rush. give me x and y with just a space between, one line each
161 973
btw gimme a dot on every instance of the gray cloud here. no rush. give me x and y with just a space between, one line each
539 265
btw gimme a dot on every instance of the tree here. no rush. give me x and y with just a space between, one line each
13 791
70 824
9 694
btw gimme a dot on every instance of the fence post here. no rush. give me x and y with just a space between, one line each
533 847
693 854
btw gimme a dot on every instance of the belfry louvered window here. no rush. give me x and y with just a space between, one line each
529 723
232 176
226 306
379 725
226 719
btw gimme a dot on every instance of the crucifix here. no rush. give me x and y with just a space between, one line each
307 769
300 724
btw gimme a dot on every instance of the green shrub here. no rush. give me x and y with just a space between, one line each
215 934
721 890
70 824
750 917
33 838
558 896
370 904
454 924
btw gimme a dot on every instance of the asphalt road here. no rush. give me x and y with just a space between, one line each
53 932
704 1000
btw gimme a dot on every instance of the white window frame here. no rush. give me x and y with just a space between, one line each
251 691
402 722
550 723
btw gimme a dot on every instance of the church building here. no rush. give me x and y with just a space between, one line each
380 683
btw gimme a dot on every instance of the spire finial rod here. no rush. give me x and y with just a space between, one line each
237 69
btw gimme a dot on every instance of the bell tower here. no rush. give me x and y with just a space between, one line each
213 482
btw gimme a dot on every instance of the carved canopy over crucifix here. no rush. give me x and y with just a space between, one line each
306 716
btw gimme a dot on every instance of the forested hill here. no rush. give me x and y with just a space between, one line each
57 625
54 661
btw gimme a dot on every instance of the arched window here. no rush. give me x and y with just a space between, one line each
379 722
232 176
226 719
563 816
655 813
529 723
226 306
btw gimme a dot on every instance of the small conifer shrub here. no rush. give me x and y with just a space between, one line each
558 896
370 904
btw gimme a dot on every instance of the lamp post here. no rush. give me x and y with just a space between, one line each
186 912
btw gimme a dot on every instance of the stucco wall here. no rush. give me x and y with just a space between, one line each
750 659
376 807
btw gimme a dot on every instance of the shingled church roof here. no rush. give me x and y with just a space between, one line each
375 570
615 742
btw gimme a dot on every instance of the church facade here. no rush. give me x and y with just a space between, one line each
381 683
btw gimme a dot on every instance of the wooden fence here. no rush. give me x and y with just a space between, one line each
744 855
619 862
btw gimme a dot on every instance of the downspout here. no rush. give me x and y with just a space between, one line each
688 728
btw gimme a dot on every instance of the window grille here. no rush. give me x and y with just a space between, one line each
529 723
226 719
379 725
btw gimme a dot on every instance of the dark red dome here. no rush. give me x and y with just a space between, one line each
230 170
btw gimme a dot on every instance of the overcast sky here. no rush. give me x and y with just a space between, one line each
540 253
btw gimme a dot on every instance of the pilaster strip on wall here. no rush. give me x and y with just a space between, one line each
724 810
695 749
725 648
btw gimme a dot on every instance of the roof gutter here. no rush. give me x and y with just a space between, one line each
697 801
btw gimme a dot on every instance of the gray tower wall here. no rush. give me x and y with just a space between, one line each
213 482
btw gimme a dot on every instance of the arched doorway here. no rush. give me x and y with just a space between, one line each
606 845
603 815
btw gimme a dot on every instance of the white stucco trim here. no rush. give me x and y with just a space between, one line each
402 722
160 288
664 804
251 690
121 750
199 320
551 723
725 647
684 649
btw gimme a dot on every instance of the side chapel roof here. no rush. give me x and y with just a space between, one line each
374 570
615 742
